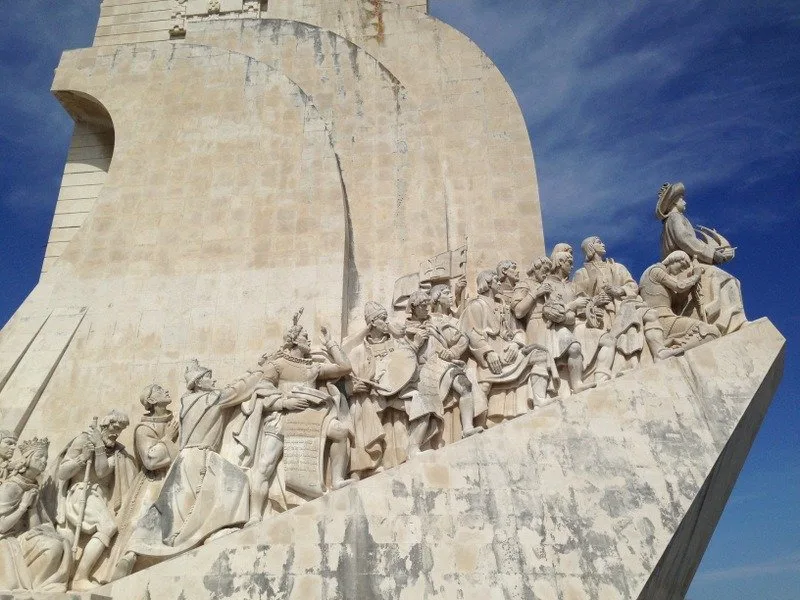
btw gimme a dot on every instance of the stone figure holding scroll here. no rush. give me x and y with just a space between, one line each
94 475
512 374
203 494
720 294
33 556
384 384
8 443
156 446
669 287
293 417
617 320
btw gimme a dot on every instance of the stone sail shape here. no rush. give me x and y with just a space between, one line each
593 497
279 157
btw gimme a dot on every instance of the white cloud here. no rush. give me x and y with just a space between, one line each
781 564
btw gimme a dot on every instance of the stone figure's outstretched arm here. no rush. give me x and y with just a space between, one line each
240 390
675 283
678 228
341 364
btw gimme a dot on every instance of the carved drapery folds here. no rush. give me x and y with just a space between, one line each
440 368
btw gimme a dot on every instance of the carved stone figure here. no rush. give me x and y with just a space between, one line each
507 278
385 376
203 494
33 556
448 344
442 376
426 414
617 320
720 294
559 312
155 445
529 297
562 247
511 374
669 286
286 404
8 443
94 475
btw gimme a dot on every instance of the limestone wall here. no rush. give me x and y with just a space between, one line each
129 21
208 233
88 159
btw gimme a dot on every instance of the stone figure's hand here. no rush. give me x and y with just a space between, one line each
173 427
359 387
543 290
445 354
723 255
326 335
615 291
510 354
495 366
29 497
420 337
86 453
96 436
554 313
578 304
461 283
602 299
293 403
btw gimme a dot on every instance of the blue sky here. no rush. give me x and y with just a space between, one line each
619 97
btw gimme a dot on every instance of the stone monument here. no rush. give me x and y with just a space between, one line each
459 432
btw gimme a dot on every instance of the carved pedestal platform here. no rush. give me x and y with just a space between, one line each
613 493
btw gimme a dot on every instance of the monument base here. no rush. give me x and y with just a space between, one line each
613 493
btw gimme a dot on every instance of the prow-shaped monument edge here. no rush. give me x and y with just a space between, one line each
614 492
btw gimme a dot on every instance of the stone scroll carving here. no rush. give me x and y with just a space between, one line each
305 421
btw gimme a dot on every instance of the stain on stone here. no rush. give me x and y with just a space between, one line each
319 56
399 489
358 560
354 60
219 581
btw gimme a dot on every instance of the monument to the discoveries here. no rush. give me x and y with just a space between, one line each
525 437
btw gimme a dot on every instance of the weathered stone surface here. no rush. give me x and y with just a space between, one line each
580 499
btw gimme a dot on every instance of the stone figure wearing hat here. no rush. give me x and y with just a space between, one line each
33 556
203 494
155 445
89 499
720 294
384 391
291 381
